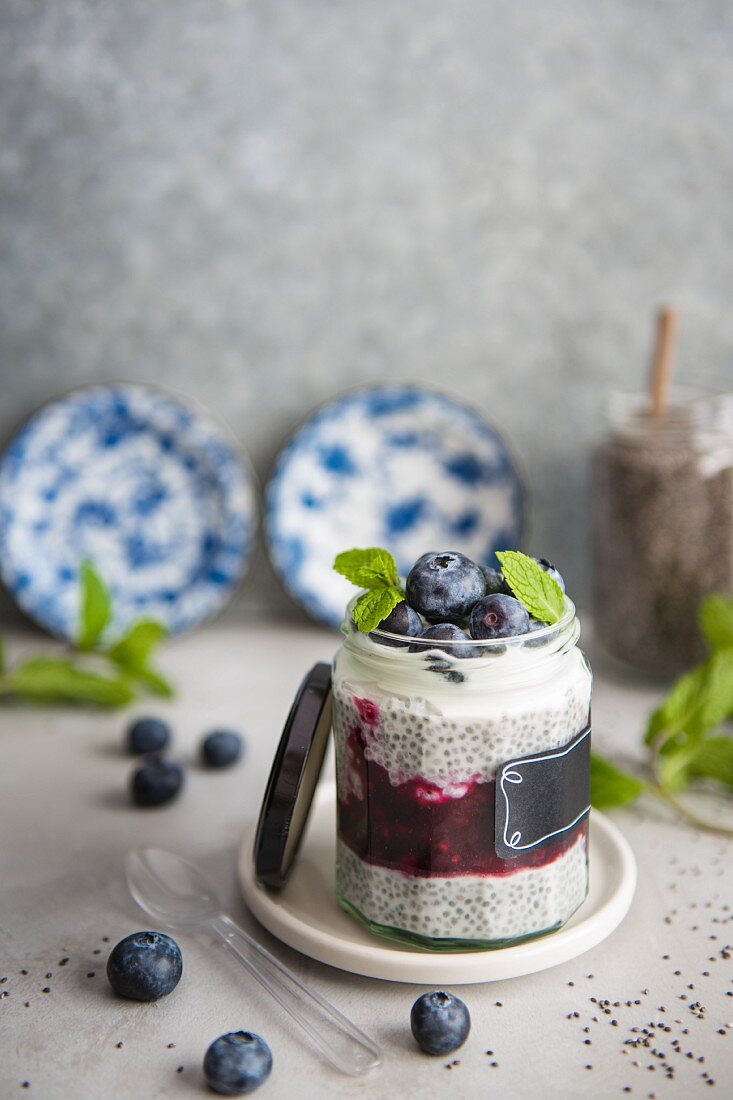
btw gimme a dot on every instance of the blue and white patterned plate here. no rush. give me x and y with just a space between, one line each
140 482
402 467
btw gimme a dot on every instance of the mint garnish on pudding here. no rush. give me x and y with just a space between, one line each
534 586
447 589
375 570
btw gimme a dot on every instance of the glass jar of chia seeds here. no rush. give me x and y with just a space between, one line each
462 785
663 526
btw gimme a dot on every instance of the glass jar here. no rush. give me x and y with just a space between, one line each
663 526
422 734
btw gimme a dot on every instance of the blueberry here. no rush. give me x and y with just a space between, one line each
444 587
495 581
444 632
551 571
156 782
146 735
440 1022
402 619
237 1063
221 748
534 625
498 617
145 966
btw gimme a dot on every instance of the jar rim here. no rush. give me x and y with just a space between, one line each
692 412
482 647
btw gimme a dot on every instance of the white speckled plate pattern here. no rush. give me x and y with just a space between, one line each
140 481
403 467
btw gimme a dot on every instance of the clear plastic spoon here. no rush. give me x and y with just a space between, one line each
177 895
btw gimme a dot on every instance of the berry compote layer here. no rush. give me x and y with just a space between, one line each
417 751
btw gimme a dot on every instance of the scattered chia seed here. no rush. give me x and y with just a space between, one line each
46 989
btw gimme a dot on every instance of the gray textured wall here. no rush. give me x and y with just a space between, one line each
262 203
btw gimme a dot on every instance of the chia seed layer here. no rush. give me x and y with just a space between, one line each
484 907
406 736
416 781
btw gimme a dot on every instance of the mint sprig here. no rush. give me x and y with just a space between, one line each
609 786
684 735
94 672
537 590
375 570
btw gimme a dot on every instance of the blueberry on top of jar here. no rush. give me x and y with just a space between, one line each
495 581
402 619
444 586
498 616
460 643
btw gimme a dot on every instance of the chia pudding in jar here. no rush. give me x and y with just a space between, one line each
663 527
423 729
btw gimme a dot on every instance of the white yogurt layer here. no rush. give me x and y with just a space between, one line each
449 733
486 907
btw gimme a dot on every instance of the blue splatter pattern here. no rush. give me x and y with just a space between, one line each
397 466
141 483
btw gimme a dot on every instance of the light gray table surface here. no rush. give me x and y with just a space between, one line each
65 823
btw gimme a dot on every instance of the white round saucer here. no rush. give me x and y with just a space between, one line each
306 915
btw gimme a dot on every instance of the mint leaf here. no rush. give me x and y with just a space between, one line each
539 592
95 606
699 701
375 605
709 758
609 786
48 680
132 653
716 620
370 568
673 766
682 702
713 759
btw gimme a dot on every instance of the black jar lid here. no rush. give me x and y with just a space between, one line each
293 779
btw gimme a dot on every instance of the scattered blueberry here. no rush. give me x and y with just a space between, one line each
440 1022
156 782
444 587
237 1063
145 966
499 616
146 735
402 619
495 581
221 748
444 632
551 571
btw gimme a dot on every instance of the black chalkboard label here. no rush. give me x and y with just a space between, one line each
540 797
